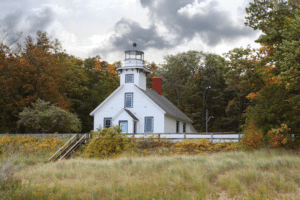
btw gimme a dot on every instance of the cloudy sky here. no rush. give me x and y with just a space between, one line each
107 28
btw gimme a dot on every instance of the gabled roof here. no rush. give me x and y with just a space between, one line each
106 100
165 104
128 112
131 115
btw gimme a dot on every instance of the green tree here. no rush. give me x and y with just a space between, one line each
43 117
241 65
91 83
194 81
274 75
154 70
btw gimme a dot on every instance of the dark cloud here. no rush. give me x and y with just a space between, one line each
40 20
211 24
27 23
129 32
9 27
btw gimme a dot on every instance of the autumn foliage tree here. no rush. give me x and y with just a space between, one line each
273 76
31 73
41 69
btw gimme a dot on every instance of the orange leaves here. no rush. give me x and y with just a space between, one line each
34 73
268 76
22 61
251 96
112 69
98 65
253 137
279 137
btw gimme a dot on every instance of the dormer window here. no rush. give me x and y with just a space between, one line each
128 100
129 78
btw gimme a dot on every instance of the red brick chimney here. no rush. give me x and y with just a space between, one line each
156 85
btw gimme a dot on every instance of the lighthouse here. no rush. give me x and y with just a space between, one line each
133 72
137 109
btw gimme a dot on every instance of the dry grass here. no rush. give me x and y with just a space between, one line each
233 175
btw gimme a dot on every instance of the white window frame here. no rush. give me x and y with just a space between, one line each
120 121
130 93
104 120
126 79
152 128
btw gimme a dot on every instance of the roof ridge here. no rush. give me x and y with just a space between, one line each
165 104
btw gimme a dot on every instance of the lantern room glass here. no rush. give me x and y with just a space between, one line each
134 54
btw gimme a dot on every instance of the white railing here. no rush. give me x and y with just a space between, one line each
72 148
213 136
59 151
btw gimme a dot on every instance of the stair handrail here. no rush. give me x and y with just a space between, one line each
61 149
83 137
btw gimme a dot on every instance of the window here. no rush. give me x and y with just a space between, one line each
107 122
177 126
148 124
128 100
183 127
124 126
129 78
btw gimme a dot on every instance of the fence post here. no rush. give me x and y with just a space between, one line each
239 136
184 135
159 137
212 138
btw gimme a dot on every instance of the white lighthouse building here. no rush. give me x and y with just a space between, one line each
137 109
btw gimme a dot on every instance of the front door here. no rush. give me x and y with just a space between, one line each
124 126
134 126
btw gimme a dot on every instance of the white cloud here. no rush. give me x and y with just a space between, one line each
160 26
197 8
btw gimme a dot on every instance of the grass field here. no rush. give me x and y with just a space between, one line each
233 175
263 174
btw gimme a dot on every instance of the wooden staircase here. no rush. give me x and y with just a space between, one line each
69 147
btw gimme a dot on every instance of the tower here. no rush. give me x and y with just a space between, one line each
133 71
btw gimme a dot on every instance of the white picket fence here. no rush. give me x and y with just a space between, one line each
214 136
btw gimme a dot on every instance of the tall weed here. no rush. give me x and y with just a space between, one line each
8 183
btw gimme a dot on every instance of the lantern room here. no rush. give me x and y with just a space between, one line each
133 72
134 57
134 54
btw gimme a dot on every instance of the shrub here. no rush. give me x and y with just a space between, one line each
44 117
1 151
195 146
31 146
280 138
153 142
253 137
108 142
